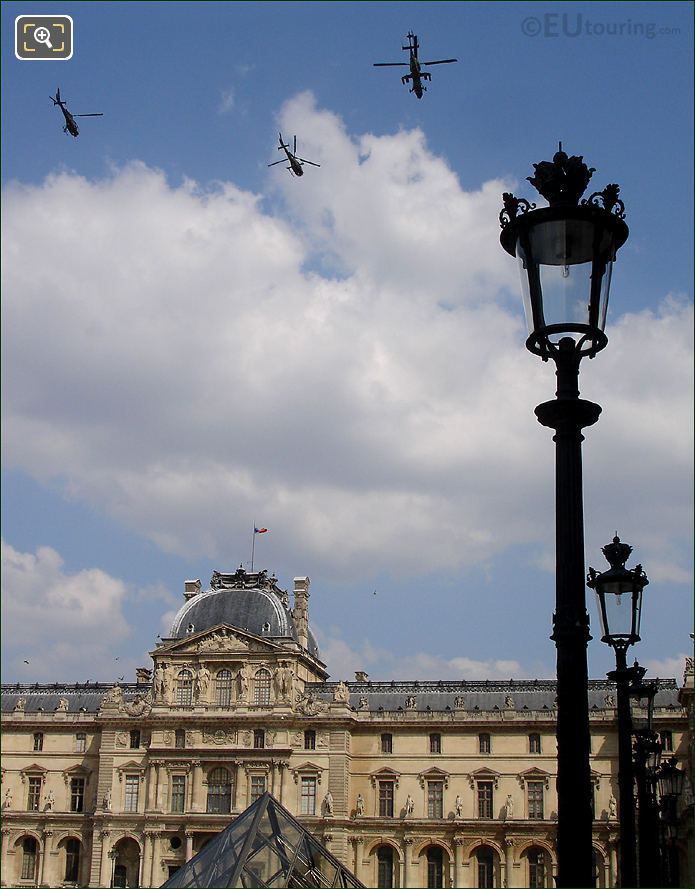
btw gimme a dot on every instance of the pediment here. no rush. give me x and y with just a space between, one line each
385 774
535 774
221 638
483 774
434 774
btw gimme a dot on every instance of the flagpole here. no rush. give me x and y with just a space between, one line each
253 545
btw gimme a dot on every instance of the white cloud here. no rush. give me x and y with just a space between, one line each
64 624
667 667
227 101
187 361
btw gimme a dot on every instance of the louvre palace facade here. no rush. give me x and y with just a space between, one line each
409 784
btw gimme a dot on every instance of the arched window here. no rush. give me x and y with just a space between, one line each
184 688
29 852
223 688
72 860
219 791
536 868
435 868
262 687
384 864
486 868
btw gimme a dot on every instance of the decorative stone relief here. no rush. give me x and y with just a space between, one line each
410 703
20 705
121 739
167 738
219 737
246 738
308 705
141 706
62 706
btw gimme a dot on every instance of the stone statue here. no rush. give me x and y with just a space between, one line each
7 802
328 803
50 801
458 807
107 801
410 703
113 696
202 683
609 700
309 705
141 706
409 805
359 808
688 665
612 809
62 706
364 704
20 705
509 807
287 677
341 693
509 701
159 683
243 678
460 703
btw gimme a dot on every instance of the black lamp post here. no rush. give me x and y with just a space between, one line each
671 780
647 757
619 597
566 252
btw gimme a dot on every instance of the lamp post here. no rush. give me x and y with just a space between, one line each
671 780
619 598
647 756
566 252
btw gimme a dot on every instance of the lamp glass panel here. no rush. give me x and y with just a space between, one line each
618 613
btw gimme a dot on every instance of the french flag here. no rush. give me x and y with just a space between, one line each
260 530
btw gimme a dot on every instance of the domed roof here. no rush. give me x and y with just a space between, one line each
248 601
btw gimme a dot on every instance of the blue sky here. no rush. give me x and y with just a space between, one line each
193 341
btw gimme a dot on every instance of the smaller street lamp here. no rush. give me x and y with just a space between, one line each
647 756
671 780
619 598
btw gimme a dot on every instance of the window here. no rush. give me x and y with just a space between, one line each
486 868
435 799
132 788
435 867
77 794
219 791
485 799
34 795
257 787
178 793
310 739
308 796
80 742
184 688
72 861
386 798
484 745
259 739
435 743
666 741
535 799
134 739
534 743
262 688
38 741
387 743
223 688
384 858
536 868
28 858
180 738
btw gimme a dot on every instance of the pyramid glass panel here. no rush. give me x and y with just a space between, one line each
264 847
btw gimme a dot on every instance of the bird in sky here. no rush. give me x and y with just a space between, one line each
26 662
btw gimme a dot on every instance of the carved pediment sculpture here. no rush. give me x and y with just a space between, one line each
113 697
141 706
308 705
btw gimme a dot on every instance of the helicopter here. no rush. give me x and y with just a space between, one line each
294 161
417 75
70 124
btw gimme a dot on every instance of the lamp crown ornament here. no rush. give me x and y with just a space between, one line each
617 553
563 180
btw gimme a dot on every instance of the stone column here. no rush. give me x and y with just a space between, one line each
613 863
151 786
155 851
508 862
407 844
357 843
189 845
143 858
104 876
47 844
161 777
4 879
197 792
458 876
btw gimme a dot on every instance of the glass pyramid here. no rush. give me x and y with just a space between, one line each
264 846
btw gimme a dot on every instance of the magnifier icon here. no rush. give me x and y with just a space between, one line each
43 35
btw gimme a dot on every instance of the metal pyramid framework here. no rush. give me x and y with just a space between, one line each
264 846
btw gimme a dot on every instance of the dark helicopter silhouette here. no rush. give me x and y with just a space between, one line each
417 75
70 124
294 161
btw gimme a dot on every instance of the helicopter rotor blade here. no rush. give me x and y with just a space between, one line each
440 62
98 114
390 65
294 149
305 161
283 161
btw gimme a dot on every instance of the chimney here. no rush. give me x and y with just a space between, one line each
143 675
191 588
301 610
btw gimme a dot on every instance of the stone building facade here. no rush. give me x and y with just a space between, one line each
410 784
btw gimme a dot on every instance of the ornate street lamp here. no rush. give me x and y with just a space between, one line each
566 253
619 597
647 757
671 781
